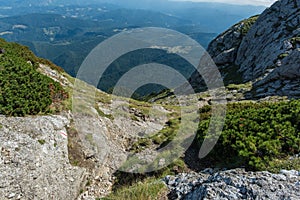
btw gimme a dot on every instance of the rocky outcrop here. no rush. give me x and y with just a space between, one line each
224 48
269 38
223 52
106 140
264 50
234 184
71 155
42 158
34 161
283 81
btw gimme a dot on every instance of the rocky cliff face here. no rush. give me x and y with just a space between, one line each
264 50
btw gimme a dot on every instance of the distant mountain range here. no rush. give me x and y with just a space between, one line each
67 40
68 30
211 17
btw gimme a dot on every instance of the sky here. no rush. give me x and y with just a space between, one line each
241 2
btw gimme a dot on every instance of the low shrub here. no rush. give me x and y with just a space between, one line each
254 134
23 90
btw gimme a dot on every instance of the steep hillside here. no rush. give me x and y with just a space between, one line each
61 138
53 147
263 49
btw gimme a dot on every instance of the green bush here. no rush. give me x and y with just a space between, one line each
23 90
17 50
247 24
254 134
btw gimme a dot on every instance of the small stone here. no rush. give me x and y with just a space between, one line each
89 154
281 186
273 189
281 177
289 172
208 171
162 162
172 182
11 195
19 196
243 190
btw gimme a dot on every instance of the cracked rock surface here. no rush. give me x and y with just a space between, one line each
234 184
34 160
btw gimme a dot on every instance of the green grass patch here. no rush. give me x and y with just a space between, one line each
161 138
149 189
142 106
130 180
146 185
102 114
103 97
246 86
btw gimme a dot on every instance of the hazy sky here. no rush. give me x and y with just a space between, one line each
251 2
